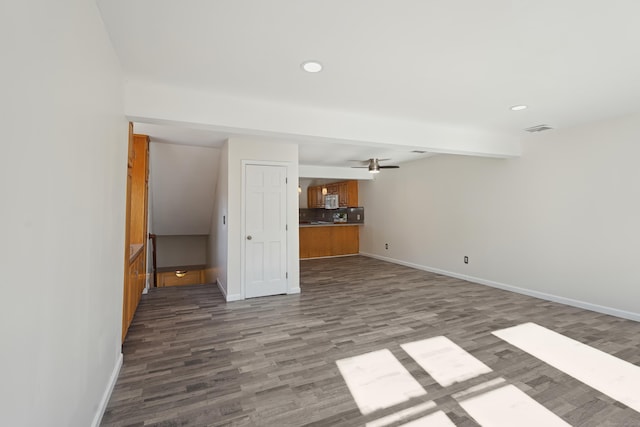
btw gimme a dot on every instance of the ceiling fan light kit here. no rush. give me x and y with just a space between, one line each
374 166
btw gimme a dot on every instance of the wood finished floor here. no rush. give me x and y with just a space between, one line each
191 359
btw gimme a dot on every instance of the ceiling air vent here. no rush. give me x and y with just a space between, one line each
538 128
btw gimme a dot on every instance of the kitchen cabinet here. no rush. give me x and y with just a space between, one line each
352 194
333 188
315 198
347 192
331 240
343 194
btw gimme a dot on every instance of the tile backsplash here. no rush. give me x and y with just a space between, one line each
341 215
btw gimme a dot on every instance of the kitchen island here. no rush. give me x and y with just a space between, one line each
324 239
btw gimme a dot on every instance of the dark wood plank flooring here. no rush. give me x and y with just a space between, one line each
191 359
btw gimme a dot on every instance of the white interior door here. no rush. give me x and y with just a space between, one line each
265 262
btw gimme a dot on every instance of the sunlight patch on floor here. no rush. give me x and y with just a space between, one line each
444 360
377 380
509 406
608 374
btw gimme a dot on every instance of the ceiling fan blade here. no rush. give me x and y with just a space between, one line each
364 162
373 165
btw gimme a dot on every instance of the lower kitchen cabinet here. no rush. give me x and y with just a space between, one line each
332 240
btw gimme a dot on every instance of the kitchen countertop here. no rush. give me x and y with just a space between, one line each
329 224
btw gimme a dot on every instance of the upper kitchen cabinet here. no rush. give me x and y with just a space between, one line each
347 192
315 198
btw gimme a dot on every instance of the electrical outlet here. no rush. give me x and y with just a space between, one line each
466 260
386 246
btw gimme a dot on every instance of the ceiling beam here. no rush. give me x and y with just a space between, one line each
158 103
332 172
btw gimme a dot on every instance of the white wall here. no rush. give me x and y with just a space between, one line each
175 251
149 268
303 183
559 222
218 243
229 272
62 189
183 180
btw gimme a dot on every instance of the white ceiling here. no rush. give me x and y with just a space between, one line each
455 63
310 153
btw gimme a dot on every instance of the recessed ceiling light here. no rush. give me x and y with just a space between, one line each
519 107
312 66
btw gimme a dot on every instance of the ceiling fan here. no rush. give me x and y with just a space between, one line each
374 165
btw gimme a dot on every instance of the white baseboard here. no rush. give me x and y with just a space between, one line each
147 283
230 297
238 297
542 295
222 289
97 418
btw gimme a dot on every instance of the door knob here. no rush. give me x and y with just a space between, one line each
249 237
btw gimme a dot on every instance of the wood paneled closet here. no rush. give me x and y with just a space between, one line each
135 262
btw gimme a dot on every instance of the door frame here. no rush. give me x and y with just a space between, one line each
243 232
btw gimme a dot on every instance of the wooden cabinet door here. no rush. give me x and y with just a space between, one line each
321 241
345 240
314 195
319 198
311 197
352 194
343 195
315 199
316 242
